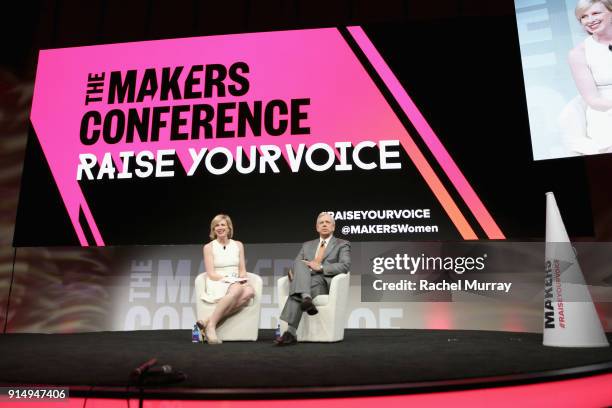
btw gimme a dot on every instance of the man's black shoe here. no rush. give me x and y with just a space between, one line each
309 307
287 339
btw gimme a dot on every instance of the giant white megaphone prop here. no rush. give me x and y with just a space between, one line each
570 319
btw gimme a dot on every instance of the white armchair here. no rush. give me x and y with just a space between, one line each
242 326
328 324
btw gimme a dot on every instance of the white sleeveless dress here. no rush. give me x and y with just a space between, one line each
599 124
226 263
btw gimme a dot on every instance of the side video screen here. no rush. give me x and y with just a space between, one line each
567 68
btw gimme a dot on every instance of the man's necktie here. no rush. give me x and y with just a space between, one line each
320 252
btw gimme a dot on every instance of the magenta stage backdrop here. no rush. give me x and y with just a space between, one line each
145 142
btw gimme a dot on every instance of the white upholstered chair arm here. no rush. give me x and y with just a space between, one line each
200 285
282 286
339 284
338 298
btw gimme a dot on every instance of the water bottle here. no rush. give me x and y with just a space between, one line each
277 333
195 334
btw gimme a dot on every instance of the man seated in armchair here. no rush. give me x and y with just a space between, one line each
314 267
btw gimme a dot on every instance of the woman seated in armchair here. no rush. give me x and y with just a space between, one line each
226 277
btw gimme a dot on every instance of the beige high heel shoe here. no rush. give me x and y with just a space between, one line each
213 340
202 326
206 337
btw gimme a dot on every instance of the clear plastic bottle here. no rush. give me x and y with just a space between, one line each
195 334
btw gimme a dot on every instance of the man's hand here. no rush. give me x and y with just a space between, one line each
315 266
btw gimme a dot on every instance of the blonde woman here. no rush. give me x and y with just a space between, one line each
591 65
226 276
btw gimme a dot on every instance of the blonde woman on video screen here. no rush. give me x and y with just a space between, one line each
591 66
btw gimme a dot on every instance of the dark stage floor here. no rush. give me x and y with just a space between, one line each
365 358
